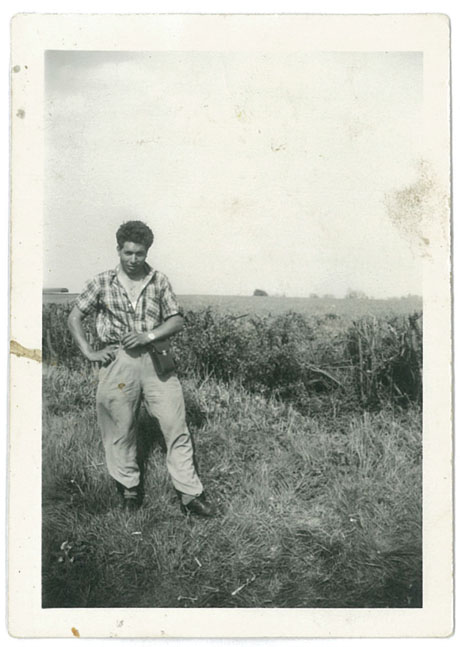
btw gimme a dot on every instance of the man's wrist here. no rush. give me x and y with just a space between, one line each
88 353
150 337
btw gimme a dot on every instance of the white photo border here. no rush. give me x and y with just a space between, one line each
32 35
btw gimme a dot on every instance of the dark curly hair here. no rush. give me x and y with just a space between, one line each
134 231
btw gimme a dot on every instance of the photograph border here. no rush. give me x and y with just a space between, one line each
32 34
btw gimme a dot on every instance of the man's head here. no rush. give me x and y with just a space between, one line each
134 231
133 241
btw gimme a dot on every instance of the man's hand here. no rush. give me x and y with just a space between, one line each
104 356
133 339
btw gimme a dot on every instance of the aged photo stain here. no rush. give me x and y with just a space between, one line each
21 351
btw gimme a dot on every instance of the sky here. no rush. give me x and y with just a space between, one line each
254 170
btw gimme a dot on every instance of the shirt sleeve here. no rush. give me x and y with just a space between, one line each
87 301
168 301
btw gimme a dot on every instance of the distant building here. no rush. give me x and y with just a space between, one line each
356 294
260 293
52 290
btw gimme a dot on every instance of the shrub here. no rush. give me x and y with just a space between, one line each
58 346
387 360
319 363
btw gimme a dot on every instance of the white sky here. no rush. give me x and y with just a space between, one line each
253 170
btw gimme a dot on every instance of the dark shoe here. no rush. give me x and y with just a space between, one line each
131 498
199 506
131 505
120 488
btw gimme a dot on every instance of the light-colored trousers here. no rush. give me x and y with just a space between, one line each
128 378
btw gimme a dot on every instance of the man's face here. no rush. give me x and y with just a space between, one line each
132 257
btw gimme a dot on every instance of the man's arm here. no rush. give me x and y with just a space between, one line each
170 327
76 328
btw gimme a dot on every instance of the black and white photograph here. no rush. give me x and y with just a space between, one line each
234 302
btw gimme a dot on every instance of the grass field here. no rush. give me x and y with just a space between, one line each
319 506
238 305
345 308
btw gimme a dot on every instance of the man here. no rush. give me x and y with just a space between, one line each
137 309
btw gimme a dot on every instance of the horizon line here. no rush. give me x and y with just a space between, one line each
313 296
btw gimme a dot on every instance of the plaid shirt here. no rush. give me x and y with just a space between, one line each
115 314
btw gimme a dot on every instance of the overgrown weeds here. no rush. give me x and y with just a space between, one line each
308 437
312 513
319 364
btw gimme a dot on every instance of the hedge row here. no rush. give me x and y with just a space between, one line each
316 362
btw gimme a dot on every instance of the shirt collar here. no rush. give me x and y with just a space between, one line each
148 276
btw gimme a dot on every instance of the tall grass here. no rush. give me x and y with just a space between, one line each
308 437
311 513
317 363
